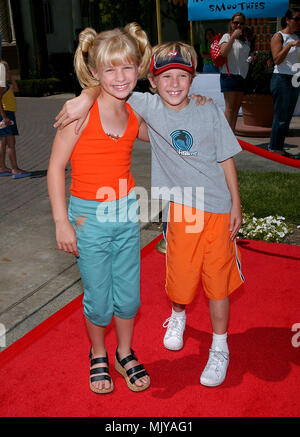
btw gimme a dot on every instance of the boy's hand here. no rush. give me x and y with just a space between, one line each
66 238
201 100
235 221
74 109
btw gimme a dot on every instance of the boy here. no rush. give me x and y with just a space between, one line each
192 147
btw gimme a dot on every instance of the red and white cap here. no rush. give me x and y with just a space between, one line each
172 60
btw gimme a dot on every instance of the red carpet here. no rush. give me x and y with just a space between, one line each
45 374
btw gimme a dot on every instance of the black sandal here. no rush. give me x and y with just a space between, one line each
97 371
138 371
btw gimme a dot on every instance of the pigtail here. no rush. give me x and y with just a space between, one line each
144 47
83 58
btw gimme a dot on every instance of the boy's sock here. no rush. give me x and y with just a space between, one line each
177 313
219 342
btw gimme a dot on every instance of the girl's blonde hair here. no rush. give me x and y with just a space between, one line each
112 47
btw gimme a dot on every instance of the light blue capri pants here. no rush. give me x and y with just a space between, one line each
108 242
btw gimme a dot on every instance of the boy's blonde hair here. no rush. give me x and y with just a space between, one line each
112 47
188 53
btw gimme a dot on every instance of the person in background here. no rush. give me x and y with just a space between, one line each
208 66
251 37
5 120
8 127
235 47
285 46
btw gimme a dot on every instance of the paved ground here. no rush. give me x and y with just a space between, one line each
36 278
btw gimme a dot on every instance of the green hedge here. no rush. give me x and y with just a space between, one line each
39 87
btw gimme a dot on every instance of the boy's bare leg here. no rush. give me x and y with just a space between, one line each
177 307
124 330
97 335
3 167
215 370
219 315
12 155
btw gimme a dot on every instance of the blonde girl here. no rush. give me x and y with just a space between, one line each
101 226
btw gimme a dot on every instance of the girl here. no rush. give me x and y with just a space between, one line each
235 47
101 227
285 46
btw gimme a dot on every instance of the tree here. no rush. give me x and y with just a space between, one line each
115 13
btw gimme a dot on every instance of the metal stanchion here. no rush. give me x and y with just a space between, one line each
161 246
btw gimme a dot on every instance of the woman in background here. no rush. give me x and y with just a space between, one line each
285 46
234 45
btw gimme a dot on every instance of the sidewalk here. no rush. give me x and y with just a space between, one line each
36 278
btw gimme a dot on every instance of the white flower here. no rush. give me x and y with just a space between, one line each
271 228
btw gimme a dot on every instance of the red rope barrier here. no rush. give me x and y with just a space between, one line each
269 155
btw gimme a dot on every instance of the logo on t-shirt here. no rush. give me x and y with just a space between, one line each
182 140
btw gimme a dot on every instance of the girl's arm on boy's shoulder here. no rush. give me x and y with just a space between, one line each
77 109
233 186
143 128
63 146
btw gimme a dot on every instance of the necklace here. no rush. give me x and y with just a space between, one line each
113 136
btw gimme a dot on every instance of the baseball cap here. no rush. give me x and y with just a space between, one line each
172 60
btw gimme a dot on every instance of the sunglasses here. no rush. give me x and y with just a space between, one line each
236 23
296 19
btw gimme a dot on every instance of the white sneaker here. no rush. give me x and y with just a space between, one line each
173 339
215 369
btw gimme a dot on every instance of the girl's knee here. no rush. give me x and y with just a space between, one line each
98 317
127 310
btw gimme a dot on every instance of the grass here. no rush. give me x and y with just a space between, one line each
271 193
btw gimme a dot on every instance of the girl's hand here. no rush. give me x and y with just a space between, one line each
74 109
201 100
66 238
235 221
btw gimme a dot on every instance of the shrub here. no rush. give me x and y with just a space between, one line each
260 73
39 87
270 229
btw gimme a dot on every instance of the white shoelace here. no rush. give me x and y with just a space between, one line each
175 326
216 359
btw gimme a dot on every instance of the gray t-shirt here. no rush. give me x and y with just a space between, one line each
187 148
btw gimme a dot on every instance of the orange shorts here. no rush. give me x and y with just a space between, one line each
208 255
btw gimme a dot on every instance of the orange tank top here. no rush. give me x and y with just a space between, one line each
98 161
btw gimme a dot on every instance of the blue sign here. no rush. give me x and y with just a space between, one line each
224 9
